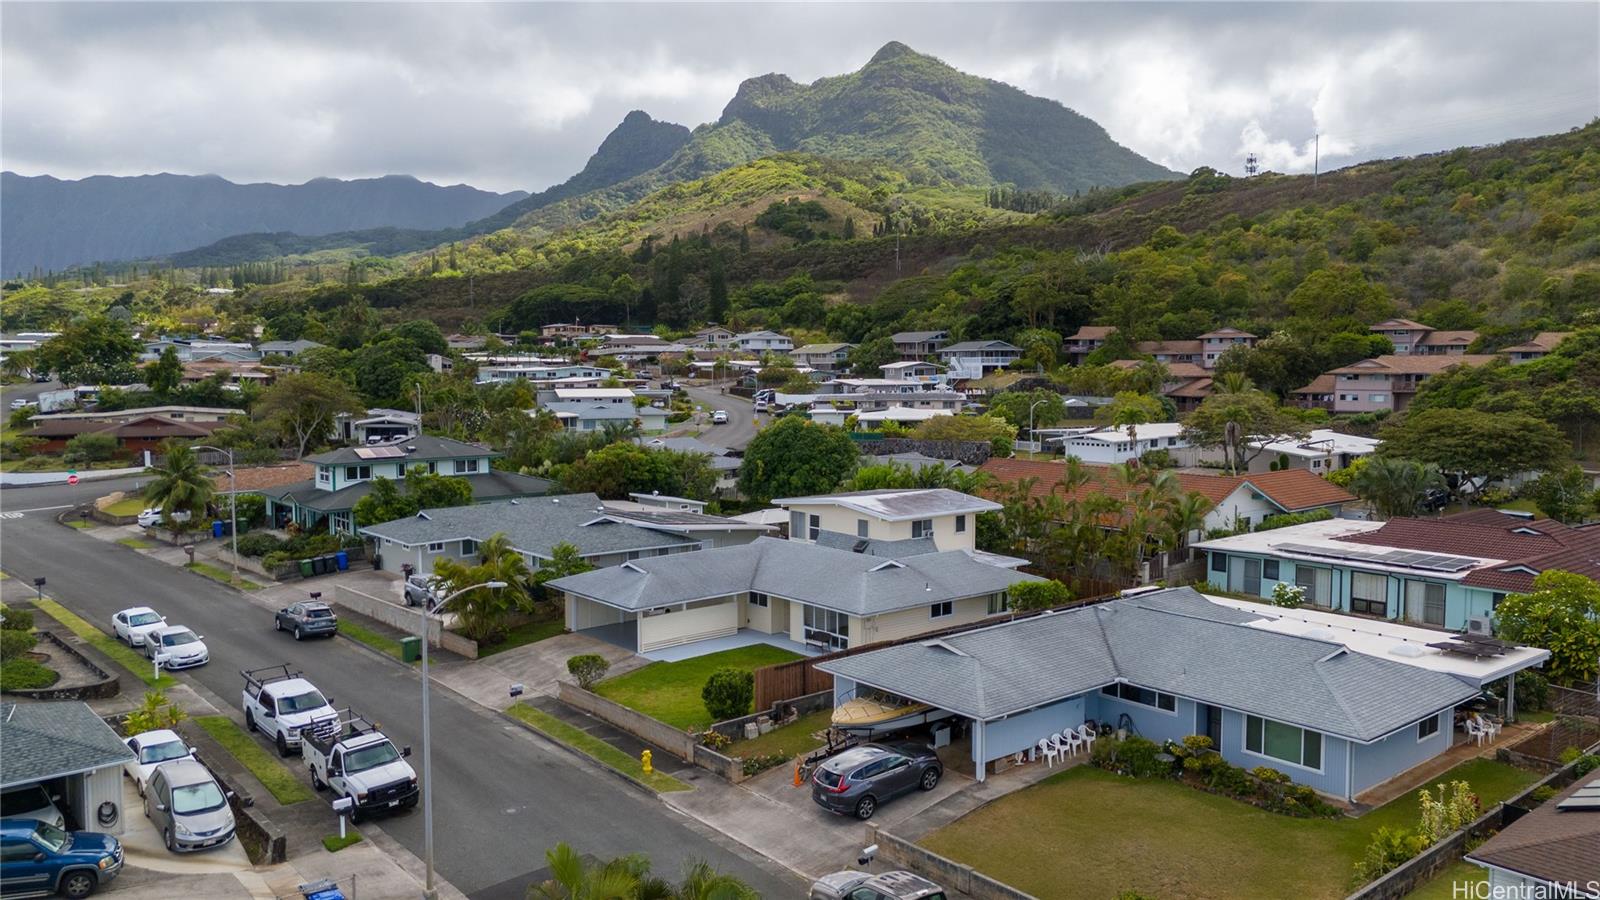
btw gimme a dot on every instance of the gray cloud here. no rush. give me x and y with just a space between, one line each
510 96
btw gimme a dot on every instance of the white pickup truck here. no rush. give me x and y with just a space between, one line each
285 707
359 762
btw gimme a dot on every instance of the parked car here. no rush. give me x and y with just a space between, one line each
153 516
132 624
857 781
31 801
151 749
853 885
182 647
283 706
188 807
424 589
40 859
360 763
761 406
720 417
308 618
22 403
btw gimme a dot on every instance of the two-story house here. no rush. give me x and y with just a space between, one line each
915 371
1538 347
713 338
945 517
569 331
1215 343
1389 382
1085 341
1172 352
344 476
758 342
591 409
1415 338
1114 445
290 349
916 345
542 375
975 359
822 357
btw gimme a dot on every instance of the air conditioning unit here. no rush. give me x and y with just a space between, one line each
1480 625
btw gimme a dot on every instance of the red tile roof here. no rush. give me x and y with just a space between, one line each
1093 333
1293 489
1412 364
1297 490
1538 545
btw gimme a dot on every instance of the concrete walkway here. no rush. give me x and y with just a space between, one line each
537 667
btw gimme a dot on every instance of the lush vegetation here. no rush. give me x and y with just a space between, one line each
284 786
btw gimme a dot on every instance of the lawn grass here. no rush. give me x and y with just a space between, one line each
670 691
379 642
127 506
522 635
1102 834
1457 880
333 843
223 575
593 747
136 543
790 741
273 775
110 646
1537 717
81 524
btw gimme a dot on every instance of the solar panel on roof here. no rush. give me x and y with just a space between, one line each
1576 802
379 452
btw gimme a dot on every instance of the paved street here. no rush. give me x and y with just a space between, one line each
25 390
503 795
741 425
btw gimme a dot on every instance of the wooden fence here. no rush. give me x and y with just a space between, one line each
787 681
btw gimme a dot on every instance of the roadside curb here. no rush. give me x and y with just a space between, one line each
582 756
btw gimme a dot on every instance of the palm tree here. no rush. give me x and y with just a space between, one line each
480 612
629 878
1396 487
1232 383
1187 516
181 482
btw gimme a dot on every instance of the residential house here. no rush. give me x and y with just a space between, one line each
722 461
759 342
377 426
64 747
1215 343
233 373
1172 352
466 341
542 375
1321 451
1114 445
1085 341
291 349
948 517
196 349
1188 384
1538 347
1445 572
216 414
713 338
133 435
916 371
790 593
344 476
592 409
907 416
1415 338
570 331
822 357
975 359
918 345
1335 714
1387 383
1319 394
1551 851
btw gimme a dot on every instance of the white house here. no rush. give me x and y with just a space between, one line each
946 517
1115 445
762 342
1323 450
975 359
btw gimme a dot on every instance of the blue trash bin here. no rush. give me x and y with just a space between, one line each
216 529
343 559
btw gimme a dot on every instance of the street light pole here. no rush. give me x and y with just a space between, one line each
1030 421
233 502
428 890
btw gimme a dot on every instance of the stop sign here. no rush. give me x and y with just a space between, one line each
72 478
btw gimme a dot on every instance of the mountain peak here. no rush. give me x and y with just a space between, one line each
890 52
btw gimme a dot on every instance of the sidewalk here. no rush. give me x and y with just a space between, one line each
536 667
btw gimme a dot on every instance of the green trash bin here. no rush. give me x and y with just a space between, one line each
411 649
305 568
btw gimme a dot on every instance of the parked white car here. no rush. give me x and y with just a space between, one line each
181 645
22 403
152 517
134 623
720 417
31 801
151 749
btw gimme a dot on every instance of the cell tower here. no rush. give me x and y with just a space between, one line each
1252 165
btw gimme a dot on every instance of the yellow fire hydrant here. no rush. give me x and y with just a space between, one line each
644 759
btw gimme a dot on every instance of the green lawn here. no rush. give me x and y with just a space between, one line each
333 843
223 575
379 642
1448 884
127 506
1089 833
670 691
81 523
528 633
103 642
593 747
273 775
136 543
791 740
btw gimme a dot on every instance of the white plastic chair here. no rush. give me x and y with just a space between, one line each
1491 729
1059 740
1050 752
1475 731
1088 735
1074 741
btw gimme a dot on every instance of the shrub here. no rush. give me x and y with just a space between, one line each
1455 808
588 669
90 447
716 740
1287 595
1542 793
1284 520
1269 775
251 510
1533 691
728 693
1133 756
13 619
25 675
1031 595
259 544
15 642
1586 764
1389 848
155 712
754 764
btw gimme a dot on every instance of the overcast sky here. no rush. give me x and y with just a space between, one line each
507 96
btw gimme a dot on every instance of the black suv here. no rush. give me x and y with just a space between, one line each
856 781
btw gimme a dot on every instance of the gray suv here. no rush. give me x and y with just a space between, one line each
188 806
851 885
857 781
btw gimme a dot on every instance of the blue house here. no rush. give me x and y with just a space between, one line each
1447 573
1173 663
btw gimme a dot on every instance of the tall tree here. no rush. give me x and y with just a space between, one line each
1479 448
794 457
1562 615
164 375
482 611
180 482
301 406
1394 486
1237 415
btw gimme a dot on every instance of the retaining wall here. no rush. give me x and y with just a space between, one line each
264 841
405 619
899 853
673 740
107 686
734 728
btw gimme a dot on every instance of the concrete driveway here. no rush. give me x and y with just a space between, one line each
142 844
535 666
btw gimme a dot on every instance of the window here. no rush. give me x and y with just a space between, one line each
862 526
1316 582
797 524
466 466
942 609
324 475
1369 594
436 547
1269 569
814 530
999 603
1425 602
357 473
758 599
1494 600
1297 746
469 547
1378 398
922 528
1143 696
827 627
1219 562
961 524
1427 728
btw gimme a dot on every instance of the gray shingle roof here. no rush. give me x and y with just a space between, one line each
979 345
44 740
898 505
534 525
1174 641
912 337
853 583
486 487
427 447
875 546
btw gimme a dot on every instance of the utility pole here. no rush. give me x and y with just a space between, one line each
897 254
1316 160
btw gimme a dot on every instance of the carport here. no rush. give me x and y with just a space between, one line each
72 754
